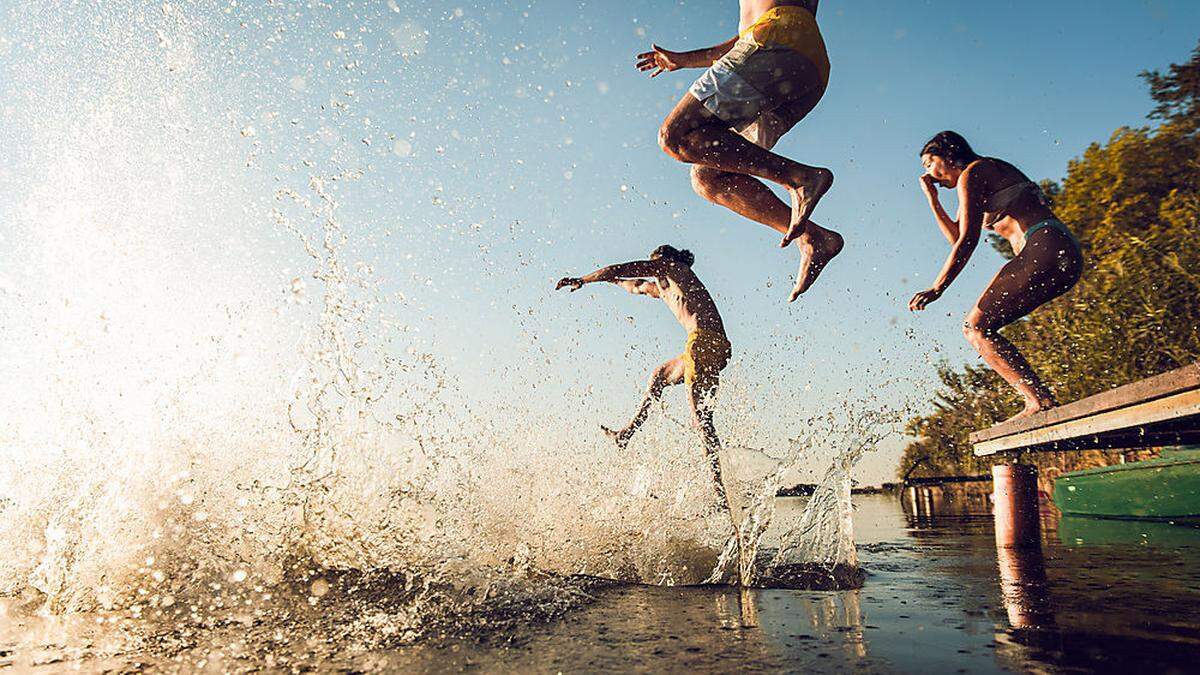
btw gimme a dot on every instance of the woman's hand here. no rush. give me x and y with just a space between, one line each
929 186
920 300
660 61
573 283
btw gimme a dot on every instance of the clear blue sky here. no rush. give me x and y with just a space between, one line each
508 144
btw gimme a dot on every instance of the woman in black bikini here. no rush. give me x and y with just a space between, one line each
994 194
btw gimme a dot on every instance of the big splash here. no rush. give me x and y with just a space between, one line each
220 405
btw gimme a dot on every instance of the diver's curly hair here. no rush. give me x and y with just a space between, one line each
671 253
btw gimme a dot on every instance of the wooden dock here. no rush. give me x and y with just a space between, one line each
1160 410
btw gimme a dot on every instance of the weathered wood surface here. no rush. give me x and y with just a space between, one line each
1160 410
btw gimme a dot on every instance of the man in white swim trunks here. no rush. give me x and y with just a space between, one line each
758 85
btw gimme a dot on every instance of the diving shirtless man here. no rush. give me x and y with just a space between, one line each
758 85
668 275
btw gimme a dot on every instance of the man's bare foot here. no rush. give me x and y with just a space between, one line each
804 199
617 437
816 250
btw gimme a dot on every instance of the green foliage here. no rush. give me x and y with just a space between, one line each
1134 202
1177 93
968 399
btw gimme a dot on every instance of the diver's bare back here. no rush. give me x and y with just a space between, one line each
750 10
689 300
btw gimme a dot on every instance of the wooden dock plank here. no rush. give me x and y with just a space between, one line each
1155 406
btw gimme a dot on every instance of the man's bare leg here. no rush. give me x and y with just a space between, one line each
667 374
749 197
694 135
701 394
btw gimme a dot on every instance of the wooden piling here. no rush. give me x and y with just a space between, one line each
1015 506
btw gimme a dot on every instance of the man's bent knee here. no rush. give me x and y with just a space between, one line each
707 182
673 140
663 375
658 378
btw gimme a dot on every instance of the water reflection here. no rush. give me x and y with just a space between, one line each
1082 531
736 609
1097 595
842 614
748 607
928 503
1024 587
796 622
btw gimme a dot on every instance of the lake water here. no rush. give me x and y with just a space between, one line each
1103 595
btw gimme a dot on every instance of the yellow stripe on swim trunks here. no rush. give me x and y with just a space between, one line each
793 28
706 350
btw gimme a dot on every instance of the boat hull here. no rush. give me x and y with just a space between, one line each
1167 488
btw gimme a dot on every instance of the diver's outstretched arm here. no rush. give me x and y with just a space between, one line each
639 287
637 269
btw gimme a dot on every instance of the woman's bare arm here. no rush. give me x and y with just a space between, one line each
970 227
970 223
948 225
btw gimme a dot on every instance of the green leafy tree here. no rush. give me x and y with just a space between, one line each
1177 92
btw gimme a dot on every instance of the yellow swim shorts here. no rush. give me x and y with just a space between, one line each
793 28
706 354
771 78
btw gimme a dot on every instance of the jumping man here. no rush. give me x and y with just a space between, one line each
668 275
758 85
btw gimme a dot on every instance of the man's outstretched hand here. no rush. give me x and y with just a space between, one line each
659 60
574 283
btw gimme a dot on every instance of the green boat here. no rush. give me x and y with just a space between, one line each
1165 488
1083 531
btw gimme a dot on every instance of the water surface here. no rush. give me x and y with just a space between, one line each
1103 595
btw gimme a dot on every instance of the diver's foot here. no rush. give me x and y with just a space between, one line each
618 437
1032 408
816 250
804 199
